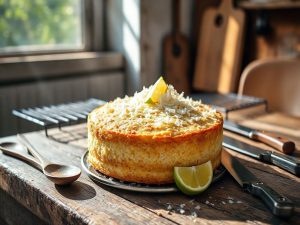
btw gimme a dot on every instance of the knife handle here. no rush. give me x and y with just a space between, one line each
285 162
280 143
279 205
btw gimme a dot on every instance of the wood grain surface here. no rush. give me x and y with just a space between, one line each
85 202
219 50
176 54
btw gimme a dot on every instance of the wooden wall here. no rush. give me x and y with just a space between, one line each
281 40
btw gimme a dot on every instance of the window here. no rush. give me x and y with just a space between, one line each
41 25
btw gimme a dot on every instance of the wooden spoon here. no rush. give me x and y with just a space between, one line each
57 173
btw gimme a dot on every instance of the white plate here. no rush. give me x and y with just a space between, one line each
112 182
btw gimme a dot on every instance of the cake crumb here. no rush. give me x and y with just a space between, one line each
230 201
198 207
169 207
192 201
182 211
224 203
194 214
209 203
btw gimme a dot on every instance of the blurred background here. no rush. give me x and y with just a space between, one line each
60 51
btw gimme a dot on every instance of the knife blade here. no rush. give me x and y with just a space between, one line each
280 143
288 163
278 204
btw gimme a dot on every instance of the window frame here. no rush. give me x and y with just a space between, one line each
45 65
92 35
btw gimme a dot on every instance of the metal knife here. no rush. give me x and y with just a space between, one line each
279 205
288 163
280 143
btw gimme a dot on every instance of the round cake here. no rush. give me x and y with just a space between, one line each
135 141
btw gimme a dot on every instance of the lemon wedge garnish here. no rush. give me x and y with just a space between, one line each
158 89
195 179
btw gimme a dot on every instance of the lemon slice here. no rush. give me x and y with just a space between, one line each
193 180
158 89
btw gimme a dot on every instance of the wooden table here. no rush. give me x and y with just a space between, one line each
27 197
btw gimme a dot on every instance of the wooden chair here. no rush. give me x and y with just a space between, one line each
277 80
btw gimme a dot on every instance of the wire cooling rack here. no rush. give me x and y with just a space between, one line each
59 115
226 103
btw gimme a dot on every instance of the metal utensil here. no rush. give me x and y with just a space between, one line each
279 205
57 173
280 143
288 163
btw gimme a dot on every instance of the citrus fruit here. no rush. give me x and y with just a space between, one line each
195 179
158 89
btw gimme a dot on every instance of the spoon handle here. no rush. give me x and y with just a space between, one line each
32 150
26 158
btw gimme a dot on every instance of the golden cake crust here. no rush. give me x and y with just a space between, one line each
148 159
136 142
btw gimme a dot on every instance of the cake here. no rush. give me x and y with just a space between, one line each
135 141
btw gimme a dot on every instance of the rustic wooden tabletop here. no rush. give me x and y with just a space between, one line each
27 197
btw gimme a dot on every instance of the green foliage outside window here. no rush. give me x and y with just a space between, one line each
40 22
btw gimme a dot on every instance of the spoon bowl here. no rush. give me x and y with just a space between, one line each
18 151
14 146
61 174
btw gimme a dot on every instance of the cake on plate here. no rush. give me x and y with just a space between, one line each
135 140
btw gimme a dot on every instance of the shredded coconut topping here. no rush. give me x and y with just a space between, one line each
173 115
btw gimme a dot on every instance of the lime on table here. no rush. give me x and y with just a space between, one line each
158 89
195 179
